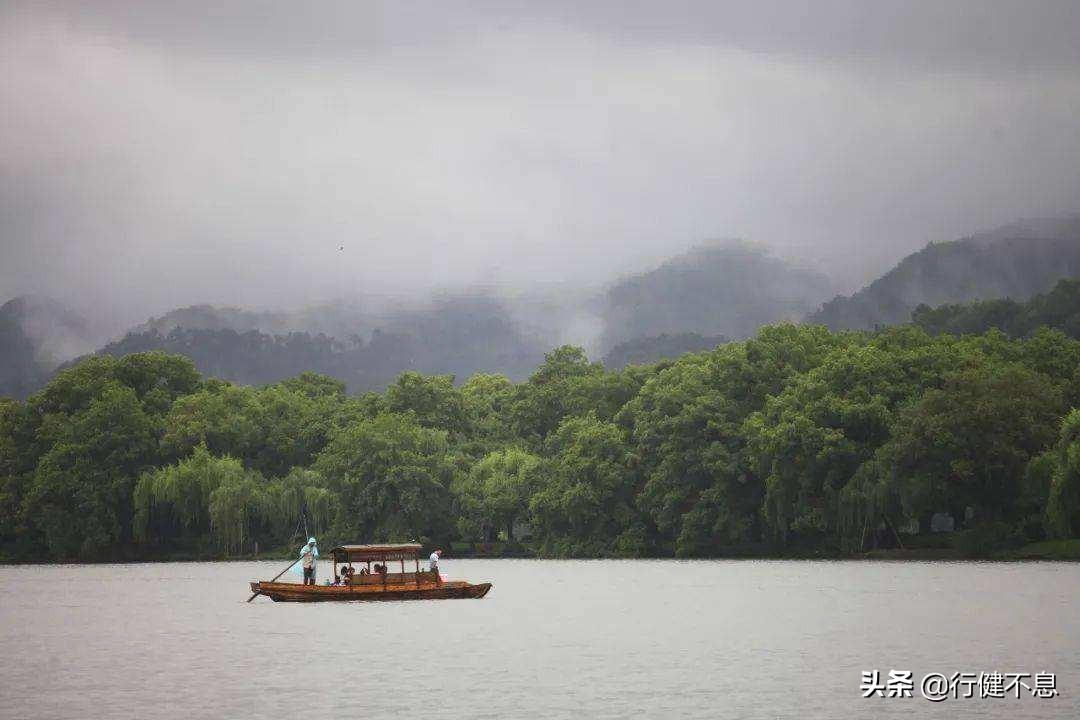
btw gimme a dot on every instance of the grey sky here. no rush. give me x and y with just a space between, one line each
155 154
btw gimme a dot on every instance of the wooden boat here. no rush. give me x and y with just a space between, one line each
372 584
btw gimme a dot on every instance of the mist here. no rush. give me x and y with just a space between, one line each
161 154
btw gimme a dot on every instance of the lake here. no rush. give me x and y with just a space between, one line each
553 639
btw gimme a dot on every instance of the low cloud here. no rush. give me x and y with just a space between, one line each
162 154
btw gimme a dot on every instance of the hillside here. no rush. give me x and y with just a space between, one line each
1058 309
642 351
1014 261
455 336
728 289
36 335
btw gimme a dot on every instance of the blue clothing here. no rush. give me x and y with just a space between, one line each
313 549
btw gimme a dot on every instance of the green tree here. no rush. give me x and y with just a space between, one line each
587 506
541 403
1063 503
968 443
174 501
687 425
433 399
392 476
81 496
496 492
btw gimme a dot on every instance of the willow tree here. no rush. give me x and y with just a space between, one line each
299 500
496 492
237 505
1063 504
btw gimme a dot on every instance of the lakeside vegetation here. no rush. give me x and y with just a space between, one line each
799 441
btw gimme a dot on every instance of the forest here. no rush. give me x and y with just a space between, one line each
797 441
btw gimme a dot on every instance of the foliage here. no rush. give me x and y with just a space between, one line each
797 440
1059 309
496 493
1063 503
392 476
1016 264
587 504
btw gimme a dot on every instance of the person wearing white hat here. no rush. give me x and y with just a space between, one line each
434 564
309 554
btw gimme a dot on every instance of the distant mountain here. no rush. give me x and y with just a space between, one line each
642 351
213 317
20 371
1015 261
455 335
338 320
36 335
729 289
1058 309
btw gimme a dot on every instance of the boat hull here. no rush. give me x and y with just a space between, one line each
293 592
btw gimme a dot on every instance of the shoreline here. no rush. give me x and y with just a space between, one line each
1045 551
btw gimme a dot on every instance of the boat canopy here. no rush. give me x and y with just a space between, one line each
365 553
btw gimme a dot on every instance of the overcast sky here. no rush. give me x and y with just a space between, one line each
155 154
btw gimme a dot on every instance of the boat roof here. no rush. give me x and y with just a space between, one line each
401 551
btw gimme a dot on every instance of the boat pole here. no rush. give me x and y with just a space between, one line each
278 575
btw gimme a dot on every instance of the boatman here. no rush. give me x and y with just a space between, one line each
309 554
434 560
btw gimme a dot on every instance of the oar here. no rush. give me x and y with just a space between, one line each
278 575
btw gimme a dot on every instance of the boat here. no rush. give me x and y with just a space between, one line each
373 583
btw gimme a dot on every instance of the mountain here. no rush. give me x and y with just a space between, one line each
1014 261
642 351
36 335
1058 309
455 335
339 320
213 317
729 289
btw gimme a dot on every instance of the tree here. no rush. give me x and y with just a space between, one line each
81 495
968 443
587 507
315 385
487 399
496 492
687 423
392 476
809 441
236 506
542 402
174 501
433 399
1063 503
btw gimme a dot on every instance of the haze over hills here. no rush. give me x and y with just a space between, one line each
691 302
645 350
37 334
1016 261
458 336
728 289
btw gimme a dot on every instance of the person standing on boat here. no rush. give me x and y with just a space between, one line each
434 560
309 555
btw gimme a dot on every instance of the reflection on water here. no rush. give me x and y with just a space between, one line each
590 639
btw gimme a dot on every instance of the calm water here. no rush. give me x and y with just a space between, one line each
596 639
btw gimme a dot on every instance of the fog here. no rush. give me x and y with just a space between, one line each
159 154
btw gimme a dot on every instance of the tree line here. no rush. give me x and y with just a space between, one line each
796 440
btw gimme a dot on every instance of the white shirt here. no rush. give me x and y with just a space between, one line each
434 560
